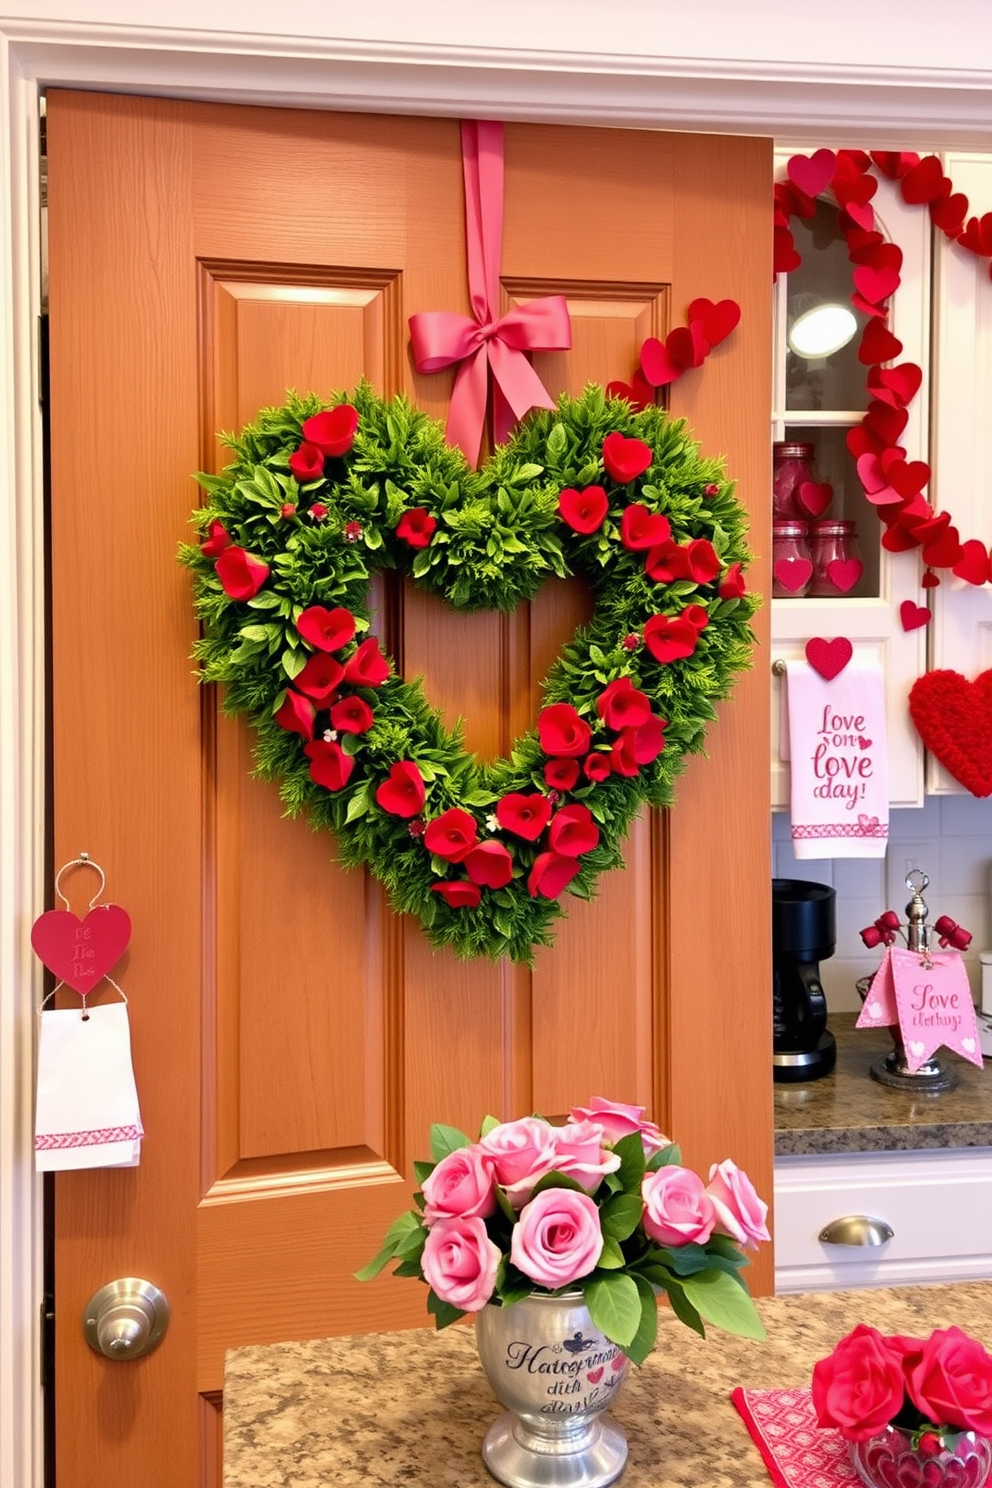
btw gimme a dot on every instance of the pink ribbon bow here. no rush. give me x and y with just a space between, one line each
441 338
952 934
882 931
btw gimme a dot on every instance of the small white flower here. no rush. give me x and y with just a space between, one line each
492 822
330 736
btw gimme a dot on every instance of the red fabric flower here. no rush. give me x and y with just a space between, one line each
952 1381
527 816
307 463
621 705
402 793
218 538
859 1387
573 831
666 562
326 630
732 585
333 430
367 667
649 740
550 874
640 528
583 511
697 616
597 767
459 894
701 560
451 835
320 678
625 459
296 715
670 639
562 731
241 574
561 774
416 527
329 765
489 864
352 715
622 757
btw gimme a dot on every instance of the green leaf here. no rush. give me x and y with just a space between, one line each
718 1298
445 1139
647 1329
359 805
400 1228
411 1246
293 663
556 1180
443 1312
557 442
614 1305
422 1170
611 1257
621 1215
489 1123
683 1309
668 1157
630 1150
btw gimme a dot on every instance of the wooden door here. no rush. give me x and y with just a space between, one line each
293 1040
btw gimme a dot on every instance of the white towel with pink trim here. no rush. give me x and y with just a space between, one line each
87 1104
840 766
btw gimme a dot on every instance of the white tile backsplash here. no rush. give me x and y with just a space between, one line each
950 838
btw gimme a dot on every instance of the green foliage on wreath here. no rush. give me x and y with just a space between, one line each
499 536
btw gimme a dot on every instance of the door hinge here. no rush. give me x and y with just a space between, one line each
47 1319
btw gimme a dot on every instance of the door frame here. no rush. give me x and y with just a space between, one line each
895 105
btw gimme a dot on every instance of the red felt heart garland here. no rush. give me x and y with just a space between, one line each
953 717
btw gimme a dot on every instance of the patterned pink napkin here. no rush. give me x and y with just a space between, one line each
796 1452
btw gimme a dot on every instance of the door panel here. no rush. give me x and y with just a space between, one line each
293 1039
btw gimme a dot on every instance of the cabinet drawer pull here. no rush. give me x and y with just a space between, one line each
856 1229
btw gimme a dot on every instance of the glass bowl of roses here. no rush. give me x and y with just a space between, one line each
598 1205
917 1413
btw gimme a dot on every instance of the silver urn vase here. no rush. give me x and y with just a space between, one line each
556 1373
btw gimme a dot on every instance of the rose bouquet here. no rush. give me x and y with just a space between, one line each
899 1397
599 1205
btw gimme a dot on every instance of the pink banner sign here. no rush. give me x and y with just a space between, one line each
485 340
933 999
880 1009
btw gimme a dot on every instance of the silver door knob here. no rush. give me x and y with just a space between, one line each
126 1319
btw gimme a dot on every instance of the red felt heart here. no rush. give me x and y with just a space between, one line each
893 164
829 658
949 213
844 573
888 423
907 477
878 344
862 440
945 551
793 201
913 615
897 386
812 173
953 717
973 565
793 573
931 580
862 214
716 320
860 303
853 187
657 364
873 478
875 284
81 952
860 242
784 255
978 235
815 496
878 254
687 345
924 182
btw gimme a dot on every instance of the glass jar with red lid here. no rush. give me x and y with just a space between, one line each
833 550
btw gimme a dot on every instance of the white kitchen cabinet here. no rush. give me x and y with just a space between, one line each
871 621
961 392
937 1203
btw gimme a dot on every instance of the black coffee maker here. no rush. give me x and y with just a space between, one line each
803 935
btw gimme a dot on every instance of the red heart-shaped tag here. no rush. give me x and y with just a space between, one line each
953 717
657 364
913 615
829 658
973 565
844 573
793 573
812 173
931 580
878 344
81 952
924 182
949 214
815 496
875 284
716 320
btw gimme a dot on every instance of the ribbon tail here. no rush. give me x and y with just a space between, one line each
467 409
516 379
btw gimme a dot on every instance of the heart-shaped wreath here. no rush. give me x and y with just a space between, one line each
320 498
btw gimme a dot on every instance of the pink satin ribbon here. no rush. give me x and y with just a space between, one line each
441 338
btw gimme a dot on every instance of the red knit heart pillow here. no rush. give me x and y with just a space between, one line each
953 717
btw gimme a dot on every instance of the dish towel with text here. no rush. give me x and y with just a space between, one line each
840 763
87 1104
796 1451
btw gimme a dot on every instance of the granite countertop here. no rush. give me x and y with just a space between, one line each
400 1409
848 1111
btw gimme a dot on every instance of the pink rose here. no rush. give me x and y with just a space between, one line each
557 1238
739 1212
522 1152
459 1263
618 1121
859 1387
460 1187
581 1155
677 1208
